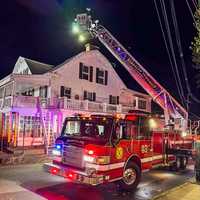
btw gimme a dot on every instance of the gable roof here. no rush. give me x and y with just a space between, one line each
37 67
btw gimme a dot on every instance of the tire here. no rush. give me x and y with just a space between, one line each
131 177
176 166
184 162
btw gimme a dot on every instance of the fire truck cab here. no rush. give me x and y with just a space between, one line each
99 149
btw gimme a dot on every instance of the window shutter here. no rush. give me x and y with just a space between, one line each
62 91
94 96
106 77
40 91
81 70
70 93
97 75
91 73
110 99
46 90
85 95
117 100
33 90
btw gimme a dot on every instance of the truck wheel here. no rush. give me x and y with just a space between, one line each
183 163
176 166
131 177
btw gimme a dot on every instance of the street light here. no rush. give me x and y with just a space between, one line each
81 38
75 28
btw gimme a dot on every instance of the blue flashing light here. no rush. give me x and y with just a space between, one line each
58 146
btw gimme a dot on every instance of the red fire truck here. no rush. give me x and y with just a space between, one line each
98 149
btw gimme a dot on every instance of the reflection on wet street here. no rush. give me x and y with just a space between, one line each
33 179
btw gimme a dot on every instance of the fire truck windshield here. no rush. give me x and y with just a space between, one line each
90 128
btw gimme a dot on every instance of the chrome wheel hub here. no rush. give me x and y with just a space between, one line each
129 176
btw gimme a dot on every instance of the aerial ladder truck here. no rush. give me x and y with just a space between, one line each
99 149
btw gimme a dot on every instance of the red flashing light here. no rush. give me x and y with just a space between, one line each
131 117
70 175
54 170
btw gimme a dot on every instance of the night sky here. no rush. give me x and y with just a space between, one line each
41 30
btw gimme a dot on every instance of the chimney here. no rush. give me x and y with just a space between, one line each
89 47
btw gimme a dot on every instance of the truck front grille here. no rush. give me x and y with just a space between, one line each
73 156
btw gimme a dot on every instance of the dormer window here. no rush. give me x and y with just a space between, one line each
25 72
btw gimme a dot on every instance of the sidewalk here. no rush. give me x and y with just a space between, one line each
15 159
187 191
10 190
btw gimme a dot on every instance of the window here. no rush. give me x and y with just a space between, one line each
43 91
72 128
85 72
30 126
114 100
8 90
142 104
91 96
134 103
25 72
131 130
65 92
28 93
144 131
101 76
1 92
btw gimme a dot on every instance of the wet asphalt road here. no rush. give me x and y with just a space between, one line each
23 182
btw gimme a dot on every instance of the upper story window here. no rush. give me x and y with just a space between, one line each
86 72
43 91
114 100
9 89
1 92
142 104
101 76
65 92
91 96
25 71
29 92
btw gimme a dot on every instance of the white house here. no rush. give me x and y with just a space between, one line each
36 97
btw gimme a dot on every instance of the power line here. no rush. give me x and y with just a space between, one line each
178 40
168 52
195 4
190 9
172 48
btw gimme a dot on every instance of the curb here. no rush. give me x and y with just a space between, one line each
170 190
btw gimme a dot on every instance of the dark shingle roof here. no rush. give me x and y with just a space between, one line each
38 67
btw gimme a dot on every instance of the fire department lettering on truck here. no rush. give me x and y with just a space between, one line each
145 148
119 153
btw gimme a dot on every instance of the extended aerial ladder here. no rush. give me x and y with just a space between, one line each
172 109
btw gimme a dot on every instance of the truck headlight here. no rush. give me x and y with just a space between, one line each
101 160
56 152
89 159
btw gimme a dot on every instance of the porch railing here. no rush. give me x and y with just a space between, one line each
65 103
